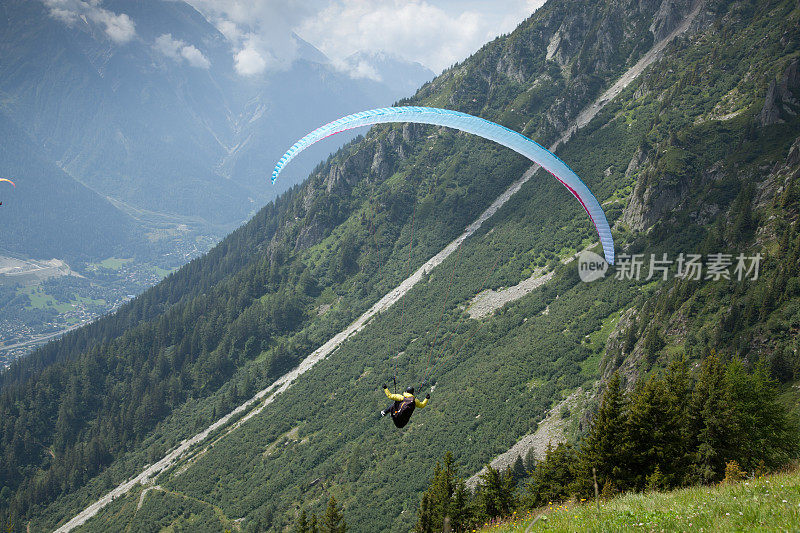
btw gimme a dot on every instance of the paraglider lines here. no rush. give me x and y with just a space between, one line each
441 315
452 334
403 308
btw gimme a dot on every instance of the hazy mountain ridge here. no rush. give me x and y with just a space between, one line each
48 208
162 126
139 122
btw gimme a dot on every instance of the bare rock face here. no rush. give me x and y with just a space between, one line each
782 97
380 165
794 154
669 15
650 201
635 164
310 234
649 204
769 114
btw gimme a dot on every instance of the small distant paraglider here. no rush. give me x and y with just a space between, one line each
9 181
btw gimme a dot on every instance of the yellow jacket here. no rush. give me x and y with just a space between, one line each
400 397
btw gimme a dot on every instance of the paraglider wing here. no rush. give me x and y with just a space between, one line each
478 126
8 180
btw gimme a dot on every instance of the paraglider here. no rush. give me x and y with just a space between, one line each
478 126
9 181
403 406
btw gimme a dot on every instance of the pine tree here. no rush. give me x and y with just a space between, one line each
333 521
678 396
656 428
437 500
530 460
496 492
424 515
607 447
442 490
764 432
460 512
302 523
312 524
711 422
553 478
519 469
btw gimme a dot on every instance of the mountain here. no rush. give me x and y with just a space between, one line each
386 68
157 119
289 105
51 212
697 154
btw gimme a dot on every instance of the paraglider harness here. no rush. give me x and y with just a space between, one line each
401 411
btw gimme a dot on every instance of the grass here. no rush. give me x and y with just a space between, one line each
41 300
767 503
114 263
163 272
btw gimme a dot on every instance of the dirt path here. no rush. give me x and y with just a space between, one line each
268 395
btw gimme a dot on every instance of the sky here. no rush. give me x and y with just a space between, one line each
435 33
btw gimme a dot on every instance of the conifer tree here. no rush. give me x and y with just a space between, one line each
424 515
496 492
442 490
656 429
302 523
763 431
519 469
553 477
607 447
447 495
333 521
678 395
711 423
460 512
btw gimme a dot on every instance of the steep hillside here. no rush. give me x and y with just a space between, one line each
674 159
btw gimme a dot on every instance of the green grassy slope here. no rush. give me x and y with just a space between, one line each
766 503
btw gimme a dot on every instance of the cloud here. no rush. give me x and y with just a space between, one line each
360 69
168 46
260 31
415 30
119 28
249 61
436 33
177 50
195 57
